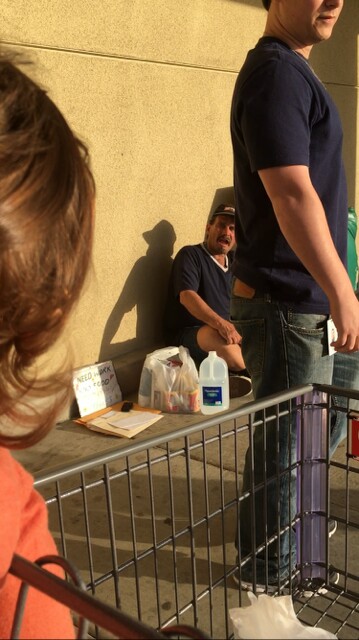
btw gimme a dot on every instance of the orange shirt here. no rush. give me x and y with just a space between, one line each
24 530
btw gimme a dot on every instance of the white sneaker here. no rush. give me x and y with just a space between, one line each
310 587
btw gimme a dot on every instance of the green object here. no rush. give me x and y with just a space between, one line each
352 251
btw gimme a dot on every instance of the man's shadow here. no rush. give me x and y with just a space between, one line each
145 289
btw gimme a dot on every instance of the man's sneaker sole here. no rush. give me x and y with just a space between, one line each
314 587
239 386
332 527
270 589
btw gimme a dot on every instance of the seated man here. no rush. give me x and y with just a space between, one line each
197 309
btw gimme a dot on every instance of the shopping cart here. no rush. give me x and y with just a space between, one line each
151 527
85 607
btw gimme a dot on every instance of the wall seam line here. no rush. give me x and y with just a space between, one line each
113 56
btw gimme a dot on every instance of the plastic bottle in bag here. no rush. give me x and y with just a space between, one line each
145 391
213 384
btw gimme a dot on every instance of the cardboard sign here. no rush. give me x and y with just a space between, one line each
96 387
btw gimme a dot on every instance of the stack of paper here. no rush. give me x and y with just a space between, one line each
115 422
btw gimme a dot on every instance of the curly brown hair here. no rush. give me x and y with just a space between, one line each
46 228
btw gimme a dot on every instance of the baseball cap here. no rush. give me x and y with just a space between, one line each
224 210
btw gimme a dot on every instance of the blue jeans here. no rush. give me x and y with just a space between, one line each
281 349
345 374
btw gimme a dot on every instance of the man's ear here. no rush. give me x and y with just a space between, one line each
208 226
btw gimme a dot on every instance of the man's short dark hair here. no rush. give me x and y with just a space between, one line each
266 4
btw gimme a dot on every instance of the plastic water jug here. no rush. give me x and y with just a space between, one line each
213 384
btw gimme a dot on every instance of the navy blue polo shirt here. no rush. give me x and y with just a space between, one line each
194 269
283 115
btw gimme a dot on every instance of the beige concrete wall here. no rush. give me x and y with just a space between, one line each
337 64
148 85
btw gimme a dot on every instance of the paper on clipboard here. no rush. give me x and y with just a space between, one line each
113 421
129 420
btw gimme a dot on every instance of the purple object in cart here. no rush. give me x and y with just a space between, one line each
312 485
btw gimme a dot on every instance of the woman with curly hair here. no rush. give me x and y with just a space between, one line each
46 228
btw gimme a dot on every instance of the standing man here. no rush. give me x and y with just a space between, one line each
290 263
197 309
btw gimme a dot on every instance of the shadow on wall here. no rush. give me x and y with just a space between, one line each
145 289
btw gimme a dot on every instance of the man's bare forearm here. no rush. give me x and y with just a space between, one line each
302 220
198 308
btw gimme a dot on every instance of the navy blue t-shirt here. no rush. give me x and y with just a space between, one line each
195 270
282 115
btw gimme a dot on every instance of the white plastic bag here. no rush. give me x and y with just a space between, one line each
169 381
272 618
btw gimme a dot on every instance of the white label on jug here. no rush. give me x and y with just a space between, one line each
212 396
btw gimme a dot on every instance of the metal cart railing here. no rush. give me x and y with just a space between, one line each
151 527
86 607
